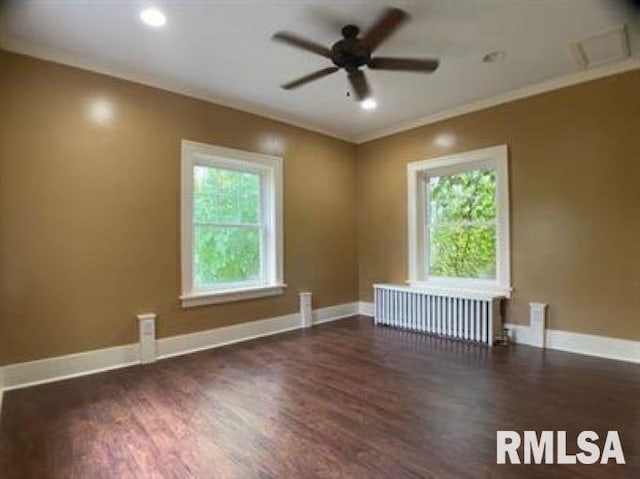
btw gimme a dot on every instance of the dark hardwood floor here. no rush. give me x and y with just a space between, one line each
341 400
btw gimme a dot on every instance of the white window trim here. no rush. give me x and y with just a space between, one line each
208 155
495 158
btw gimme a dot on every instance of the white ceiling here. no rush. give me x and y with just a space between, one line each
221 50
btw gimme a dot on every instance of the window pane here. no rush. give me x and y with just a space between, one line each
464 197
462 252
225 196
225 255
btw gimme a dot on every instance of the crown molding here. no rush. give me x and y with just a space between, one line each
518 94
83 63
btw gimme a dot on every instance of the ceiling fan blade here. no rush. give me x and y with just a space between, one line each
360 85
386 24
299 42
309 78
425 65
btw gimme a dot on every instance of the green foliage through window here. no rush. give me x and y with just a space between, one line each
227 229
462 225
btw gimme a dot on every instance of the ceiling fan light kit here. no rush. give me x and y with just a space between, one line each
353 52
369 104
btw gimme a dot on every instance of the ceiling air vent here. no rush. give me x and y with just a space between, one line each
607 47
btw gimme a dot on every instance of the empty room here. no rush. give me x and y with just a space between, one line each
319 239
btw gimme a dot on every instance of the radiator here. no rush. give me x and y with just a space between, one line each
463 315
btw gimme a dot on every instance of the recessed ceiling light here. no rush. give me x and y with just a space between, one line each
494 57
369 104
153 17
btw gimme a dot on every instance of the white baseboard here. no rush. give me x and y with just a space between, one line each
214 338
587 344
366 309
69 366
331 313
41 371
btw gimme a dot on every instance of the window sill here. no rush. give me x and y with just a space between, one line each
228 295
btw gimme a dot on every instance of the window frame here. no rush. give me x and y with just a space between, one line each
418 173
270 169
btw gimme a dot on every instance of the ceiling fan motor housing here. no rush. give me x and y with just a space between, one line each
350 53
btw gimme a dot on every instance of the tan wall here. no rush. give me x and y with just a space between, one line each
575 201
89 220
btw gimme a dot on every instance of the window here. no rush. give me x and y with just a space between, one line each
459 221
231 225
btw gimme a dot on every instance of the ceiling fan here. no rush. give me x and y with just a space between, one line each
354 51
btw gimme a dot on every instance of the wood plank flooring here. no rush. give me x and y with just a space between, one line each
343 400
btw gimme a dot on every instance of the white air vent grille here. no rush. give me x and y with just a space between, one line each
607 47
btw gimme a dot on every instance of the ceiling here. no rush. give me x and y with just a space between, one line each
221 50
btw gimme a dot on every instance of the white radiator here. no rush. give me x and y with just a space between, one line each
464 315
